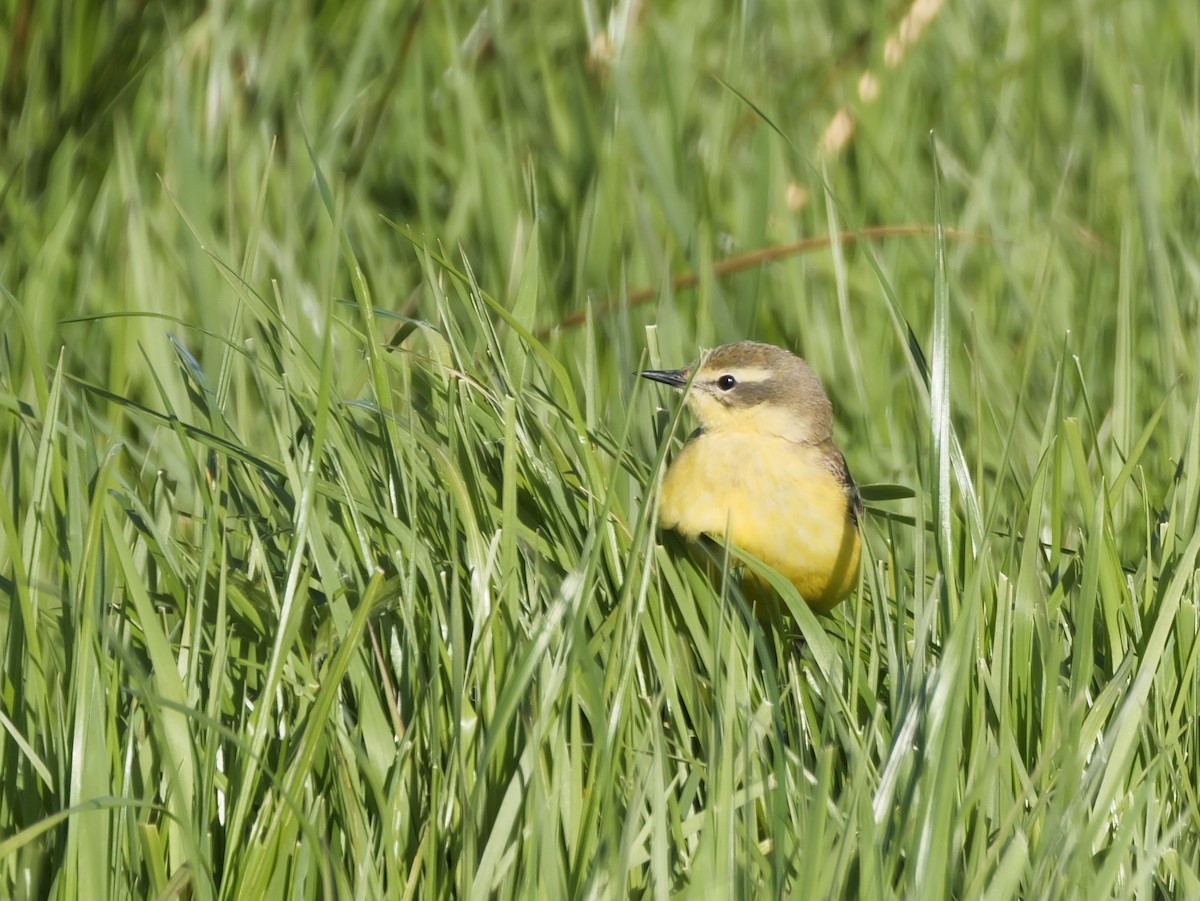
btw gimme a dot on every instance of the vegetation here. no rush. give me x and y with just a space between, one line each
328 563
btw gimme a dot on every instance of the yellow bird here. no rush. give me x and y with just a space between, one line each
763 472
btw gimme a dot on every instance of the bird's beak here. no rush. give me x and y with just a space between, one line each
676 378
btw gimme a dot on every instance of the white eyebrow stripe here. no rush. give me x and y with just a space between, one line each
744 374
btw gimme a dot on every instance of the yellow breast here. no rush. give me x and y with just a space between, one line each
773 498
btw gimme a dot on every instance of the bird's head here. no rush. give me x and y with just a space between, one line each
753 387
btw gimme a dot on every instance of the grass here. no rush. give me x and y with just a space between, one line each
327 552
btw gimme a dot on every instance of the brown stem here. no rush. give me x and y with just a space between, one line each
754 258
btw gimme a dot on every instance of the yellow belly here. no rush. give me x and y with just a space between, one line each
772 498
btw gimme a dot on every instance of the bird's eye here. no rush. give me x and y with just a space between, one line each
726 383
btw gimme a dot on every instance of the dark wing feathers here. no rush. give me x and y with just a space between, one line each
837 462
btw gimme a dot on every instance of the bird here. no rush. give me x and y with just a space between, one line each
762 472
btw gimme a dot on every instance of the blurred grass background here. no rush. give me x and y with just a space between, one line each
326 517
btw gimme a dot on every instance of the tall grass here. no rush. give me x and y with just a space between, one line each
329 565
